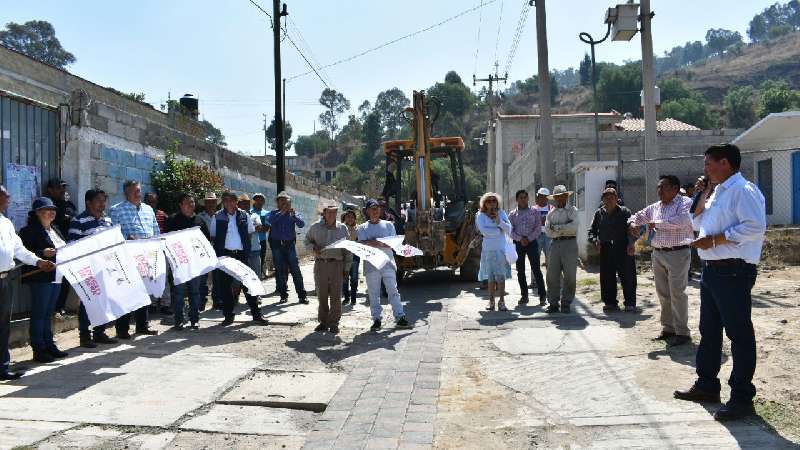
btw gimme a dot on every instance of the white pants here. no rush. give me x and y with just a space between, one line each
389 278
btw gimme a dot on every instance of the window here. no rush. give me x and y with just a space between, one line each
765 182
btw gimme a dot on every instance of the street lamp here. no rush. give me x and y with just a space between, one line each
621 22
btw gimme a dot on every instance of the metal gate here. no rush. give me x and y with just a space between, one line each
28 136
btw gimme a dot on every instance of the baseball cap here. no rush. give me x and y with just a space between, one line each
284 194
43 203
372 203
543 191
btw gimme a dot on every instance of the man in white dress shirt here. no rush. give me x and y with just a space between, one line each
731 220
11 247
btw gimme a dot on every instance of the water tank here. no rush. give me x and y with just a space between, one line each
190 105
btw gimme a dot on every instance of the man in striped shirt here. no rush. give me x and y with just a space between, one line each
671 222
85 224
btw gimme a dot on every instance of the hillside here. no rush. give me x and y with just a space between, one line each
713 77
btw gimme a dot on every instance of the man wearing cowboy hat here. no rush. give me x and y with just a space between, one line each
281 224
330 266
561 226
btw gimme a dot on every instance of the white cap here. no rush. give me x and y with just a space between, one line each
543 191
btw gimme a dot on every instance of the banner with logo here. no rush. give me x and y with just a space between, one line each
243 273
150 262
107 283
105 238
189 254
404 250
375 256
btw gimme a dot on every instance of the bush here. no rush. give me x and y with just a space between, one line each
173 177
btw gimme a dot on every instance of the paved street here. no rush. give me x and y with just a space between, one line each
462 378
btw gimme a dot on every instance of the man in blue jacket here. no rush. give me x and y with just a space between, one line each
281 223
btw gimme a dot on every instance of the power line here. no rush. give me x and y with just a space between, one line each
313 56
394 41
478 39
499 24
523 18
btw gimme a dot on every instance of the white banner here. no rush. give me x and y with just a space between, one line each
107 237
404 250
107 283
189 254
375 256
243 273
150 261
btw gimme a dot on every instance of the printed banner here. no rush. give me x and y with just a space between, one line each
375 256
152 265
243 273
404 250
189 254
105 238
107 283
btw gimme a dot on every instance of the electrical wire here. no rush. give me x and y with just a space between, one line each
313 56
499 24
478 39
523 18
396 40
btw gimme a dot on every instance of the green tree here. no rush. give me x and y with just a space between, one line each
364 109
213 134
349 178
618 88
335 105
674 89
37 39
313 144
454 96
693 51
585 70
372 133
719 39
739 107
776 96
287 135
692 110
174 176
389 106
352 132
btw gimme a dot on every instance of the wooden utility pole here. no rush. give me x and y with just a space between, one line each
280 164
649 100
547 168
491 79
265 135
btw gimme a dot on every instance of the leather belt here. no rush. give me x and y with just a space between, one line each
328 260
729 262
563 238
671 249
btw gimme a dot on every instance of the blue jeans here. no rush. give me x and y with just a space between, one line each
191 289
44 296
284 255
83 325
350 283
725 303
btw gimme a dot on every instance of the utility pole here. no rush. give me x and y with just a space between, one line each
546 161
491 79
648 84
498 151
280 151
265 135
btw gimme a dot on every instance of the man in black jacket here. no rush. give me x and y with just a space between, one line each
182 220
609 232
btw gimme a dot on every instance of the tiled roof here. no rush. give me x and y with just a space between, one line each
662 125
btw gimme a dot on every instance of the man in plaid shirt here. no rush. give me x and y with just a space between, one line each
670 220
138 221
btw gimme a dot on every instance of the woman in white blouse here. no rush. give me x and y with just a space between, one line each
494 225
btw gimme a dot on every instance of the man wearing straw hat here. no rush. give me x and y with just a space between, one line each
330 266
561 225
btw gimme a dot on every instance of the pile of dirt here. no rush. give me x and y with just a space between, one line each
781 248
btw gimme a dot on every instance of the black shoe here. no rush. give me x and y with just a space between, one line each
11 375
303 301
402 323
376 325
43 356
260 321
734 411
344 302
283 300
565 310
678 340
194 326
321 327
147 332
56 353
610 308
166 311
523 301
88 343
226 322
664 336
124 335
178 326
693 394
631 309
334 329
542 301
552 309
102 338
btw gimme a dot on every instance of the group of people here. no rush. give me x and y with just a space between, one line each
722 216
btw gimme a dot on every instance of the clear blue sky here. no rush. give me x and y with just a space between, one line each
222 50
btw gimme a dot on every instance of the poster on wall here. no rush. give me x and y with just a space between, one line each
22 183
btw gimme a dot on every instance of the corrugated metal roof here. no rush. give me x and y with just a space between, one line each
662 125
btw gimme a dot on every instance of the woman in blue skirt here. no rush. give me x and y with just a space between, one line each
494 225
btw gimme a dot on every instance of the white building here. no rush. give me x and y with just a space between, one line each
776 165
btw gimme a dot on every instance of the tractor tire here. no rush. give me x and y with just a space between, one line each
469 270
